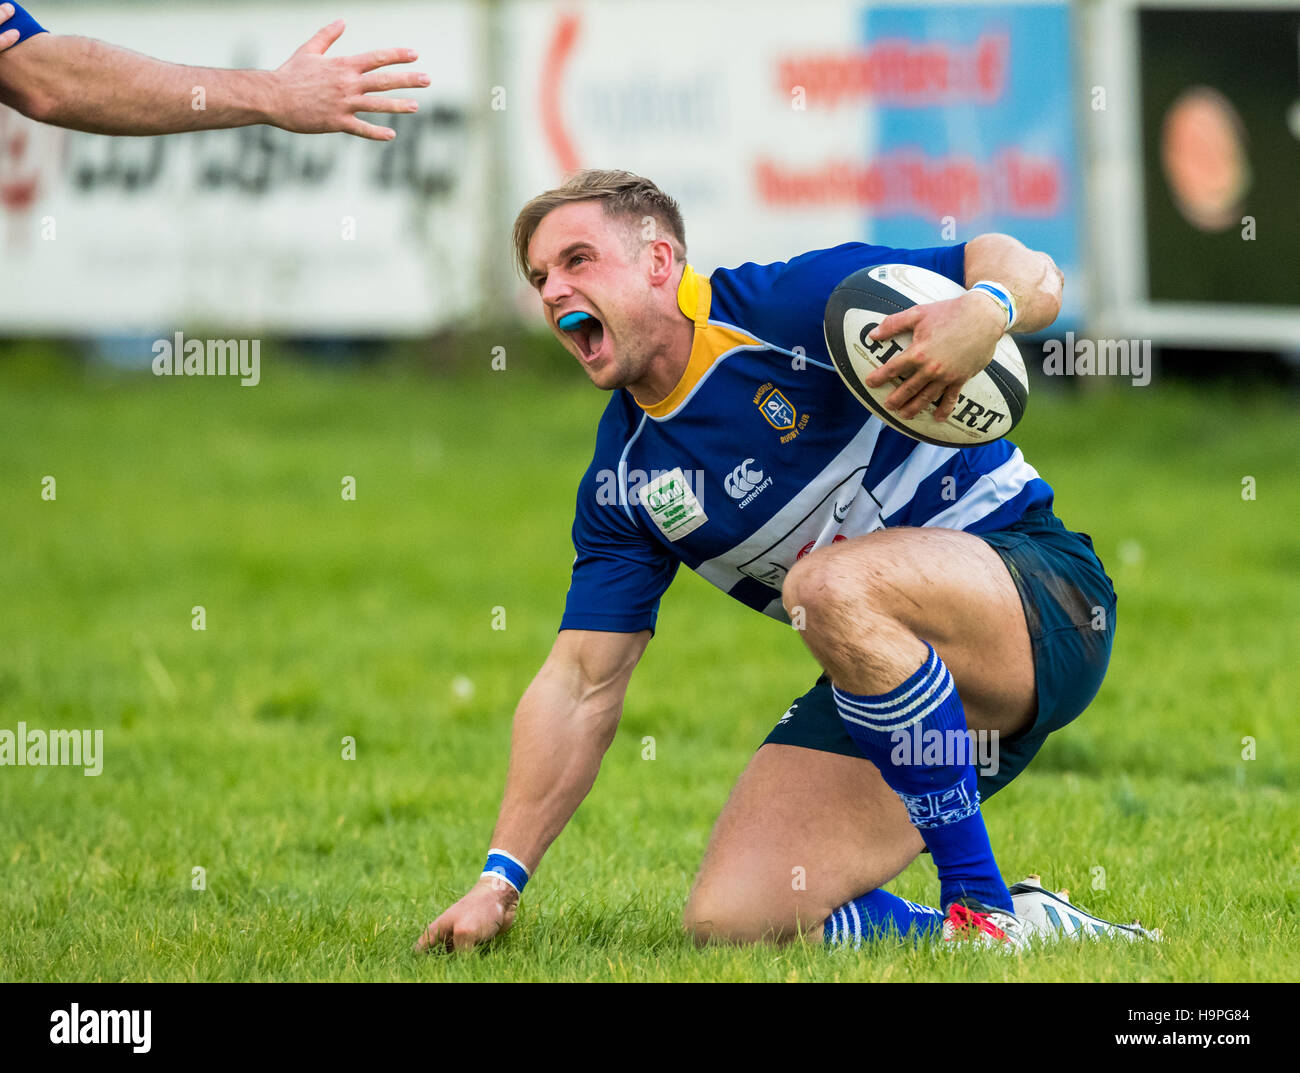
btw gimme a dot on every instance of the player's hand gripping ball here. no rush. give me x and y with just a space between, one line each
991 403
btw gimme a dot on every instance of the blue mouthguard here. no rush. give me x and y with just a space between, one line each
571 320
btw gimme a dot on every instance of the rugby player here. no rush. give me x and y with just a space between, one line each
935 586
88 85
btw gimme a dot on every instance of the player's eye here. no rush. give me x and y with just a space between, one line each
578 257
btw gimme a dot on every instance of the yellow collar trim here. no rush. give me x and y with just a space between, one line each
694 297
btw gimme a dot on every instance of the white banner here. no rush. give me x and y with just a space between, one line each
689 95
785 128
252 229
779 129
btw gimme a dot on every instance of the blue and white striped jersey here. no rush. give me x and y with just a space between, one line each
760 454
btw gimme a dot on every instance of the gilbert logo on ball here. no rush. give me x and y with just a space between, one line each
991 403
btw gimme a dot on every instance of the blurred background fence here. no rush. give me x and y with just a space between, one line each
1152 148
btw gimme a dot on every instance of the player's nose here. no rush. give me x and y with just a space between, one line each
555 289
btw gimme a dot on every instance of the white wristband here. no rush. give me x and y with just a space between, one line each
1001 295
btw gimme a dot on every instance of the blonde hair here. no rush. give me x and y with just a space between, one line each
621 194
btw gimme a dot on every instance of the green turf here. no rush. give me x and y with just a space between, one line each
328 618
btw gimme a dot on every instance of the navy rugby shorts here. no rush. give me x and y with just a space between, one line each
1062 584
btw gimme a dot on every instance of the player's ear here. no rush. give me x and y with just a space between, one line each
662 261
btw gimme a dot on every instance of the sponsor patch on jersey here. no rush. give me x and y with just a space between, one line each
672 505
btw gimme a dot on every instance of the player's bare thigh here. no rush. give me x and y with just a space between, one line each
949 588
831 815
802 832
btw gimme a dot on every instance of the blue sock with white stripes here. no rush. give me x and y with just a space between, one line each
942 799
880 915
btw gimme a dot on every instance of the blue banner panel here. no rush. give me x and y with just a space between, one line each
972 129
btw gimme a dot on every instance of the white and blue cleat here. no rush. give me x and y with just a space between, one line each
1048 917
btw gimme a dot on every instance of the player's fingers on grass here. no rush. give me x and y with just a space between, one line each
468 934
383 81
362 129
424 942
322 39
383 57
436 938
385 104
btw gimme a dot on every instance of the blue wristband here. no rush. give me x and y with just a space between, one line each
1001 295
502 865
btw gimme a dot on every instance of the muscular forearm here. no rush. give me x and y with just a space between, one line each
555 753
1033 278
563 725
88 85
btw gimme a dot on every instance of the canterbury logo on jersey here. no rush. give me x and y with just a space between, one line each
745 484
740 481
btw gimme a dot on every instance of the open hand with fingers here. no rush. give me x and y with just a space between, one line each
951 341
319 94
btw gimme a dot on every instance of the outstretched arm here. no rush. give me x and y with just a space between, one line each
954 340
88 85
563 725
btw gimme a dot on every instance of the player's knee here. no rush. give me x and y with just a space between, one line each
716 925
822 588
806 587
699 926
697 917
706 918
731 920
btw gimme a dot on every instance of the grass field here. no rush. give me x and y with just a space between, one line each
372 618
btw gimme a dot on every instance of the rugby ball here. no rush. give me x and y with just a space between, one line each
992 402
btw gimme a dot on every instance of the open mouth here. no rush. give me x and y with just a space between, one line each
587 333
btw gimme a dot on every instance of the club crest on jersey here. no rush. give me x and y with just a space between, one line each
672 505
779 412
777 409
